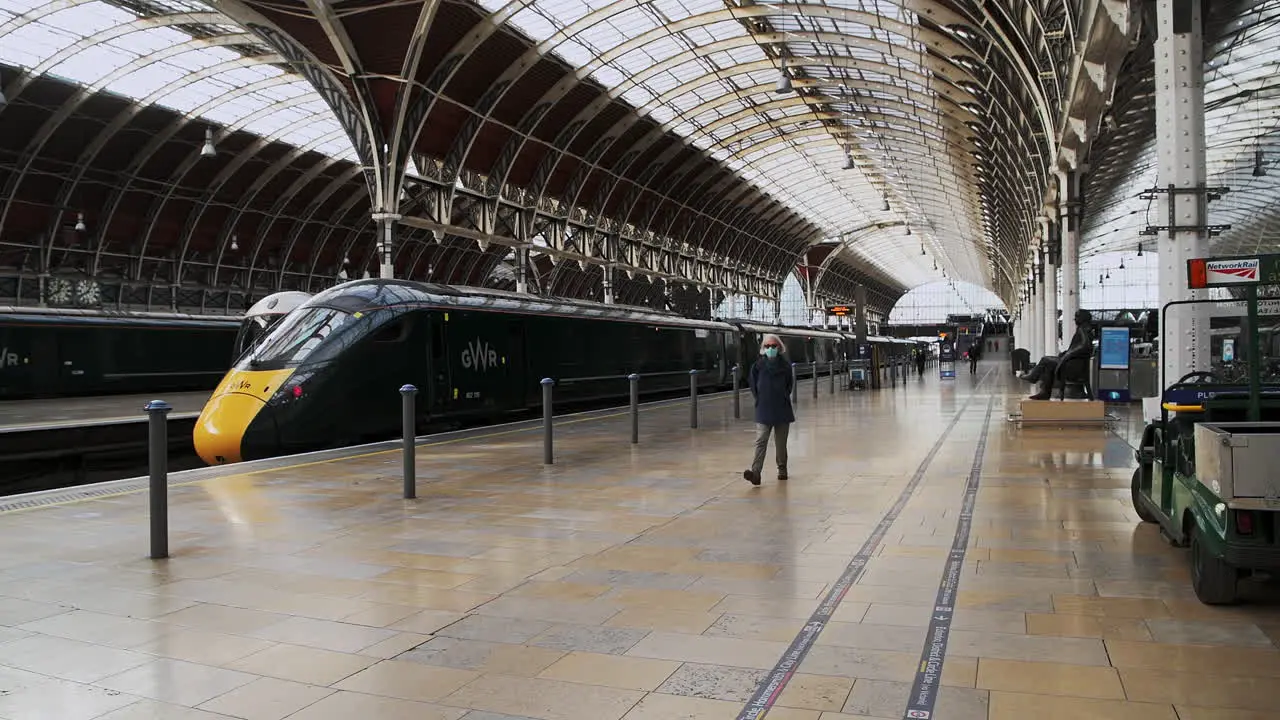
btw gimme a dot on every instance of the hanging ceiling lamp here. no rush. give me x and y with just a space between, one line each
784 81
1139 249
208 150
1121 263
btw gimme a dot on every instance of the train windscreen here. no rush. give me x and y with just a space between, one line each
298 337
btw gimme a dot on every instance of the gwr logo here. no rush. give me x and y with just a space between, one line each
8 359
479 356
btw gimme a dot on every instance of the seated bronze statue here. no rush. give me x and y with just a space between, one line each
1072 363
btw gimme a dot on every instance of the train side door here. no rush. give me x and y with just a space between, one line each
518 393
438 353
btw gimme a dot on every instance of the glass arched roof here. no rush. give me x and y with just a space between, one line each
868 143
1242 117
174 54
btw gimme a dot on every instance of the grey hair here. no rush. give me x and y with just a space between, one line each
772 338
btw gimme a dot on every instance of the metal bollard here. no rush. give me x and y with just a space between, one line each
693 399
795 386
158 461
815 378
409 431
737 404
831 377
547 457
634 379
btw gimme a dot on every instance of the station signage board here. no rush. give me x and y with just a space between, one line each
1233 271
840 310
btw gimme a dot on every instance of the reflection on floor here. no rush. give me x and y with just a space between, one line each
646 583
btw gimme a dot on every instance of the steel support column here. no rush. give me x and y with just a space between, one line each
1069 219
522 270
1180 151
1050 287
386 243
606 283
1035 318
860 312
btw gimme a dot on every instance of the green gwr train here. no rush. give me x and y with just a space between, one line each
329 374
68 353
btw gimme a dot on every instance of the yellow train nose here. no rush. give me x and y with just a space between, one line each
221 427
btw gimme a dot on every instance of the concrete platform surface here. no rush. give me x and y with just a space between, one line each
53 412
646 583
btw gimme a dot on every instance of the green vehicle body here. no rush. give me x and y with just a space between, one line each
1228 537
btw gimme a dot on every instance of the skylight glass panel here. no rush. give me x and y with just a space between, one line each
193 95
149 40
22 7
146 80
533 24
92 64
31 44
202 58
609 77
87 19
493 5
575 53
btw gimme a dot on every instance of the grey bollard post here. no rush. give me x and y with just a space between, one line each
158 461
634 379
737 404
409 430
795 386
815 379
831 377
693 399
547 456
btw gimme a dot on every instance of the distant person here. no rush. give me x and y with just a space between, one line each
920 360
771 383
975 353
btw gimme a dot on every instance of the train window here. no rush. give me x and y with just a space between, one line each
393 332
298 336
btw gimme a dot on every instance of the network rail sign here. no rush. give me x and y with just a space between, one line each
1223 272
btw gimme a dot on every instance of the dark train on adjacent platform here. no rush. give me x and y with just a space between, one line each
70 353
329 374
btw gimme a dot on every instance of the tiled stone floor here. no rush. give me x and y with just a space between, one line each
645 583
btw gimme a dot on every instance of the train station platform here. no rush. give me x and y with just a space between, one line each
646 582
62 413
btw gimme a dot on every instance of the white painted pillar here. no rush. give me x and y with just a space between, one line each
1051 342
386 243
1179 51
1069 220
1035 323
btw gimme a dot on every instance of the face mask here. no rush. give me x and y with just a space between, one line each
771 352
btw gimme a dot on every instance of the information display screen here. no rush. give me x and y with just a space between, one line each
1114 346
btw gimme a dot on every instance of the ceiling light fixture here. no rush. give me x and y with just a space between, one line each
922 252
1259 170
1121 263
208 150
784 81
80 227
885 207
234 245
1139 249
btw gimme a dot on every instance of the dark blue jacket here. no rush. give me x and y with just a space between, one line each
771 382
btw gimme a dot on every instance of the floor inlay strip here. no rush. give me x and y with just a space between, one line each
775 682
924 689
